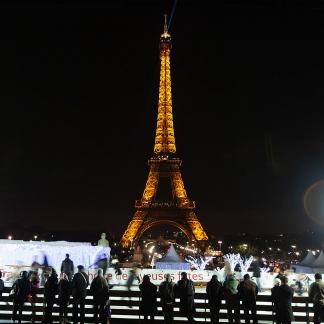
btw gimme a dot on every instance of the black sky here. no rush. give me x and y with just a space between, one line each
79 86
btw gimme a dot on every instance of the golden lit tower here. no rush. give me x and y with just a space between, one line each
177 211
164 138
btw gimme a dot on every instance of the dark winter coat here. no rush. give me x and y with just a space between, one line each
316 292
80 283
1 286
256 269
214 291
64 291
148 304
100 290
185 290
285 295
275 301
247 291
67 266
51 289
21 287
167 292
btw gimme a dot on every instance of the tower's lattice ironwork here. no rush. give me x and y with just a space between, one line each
180 211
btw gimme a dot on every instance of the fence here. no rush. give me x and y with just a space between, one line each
125 305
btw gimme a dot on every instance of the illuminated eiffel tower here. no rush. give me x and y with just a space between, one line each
177 211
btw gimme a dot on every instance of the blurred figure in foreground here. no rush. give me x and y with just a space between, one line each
316 294
50 290
100 291
186 291
64 293
275 299
80 283
148 304
22 289
232 298
285 296
248 291
167 295
214 294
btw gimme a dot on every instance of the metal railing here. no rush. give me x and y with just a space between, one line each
125 308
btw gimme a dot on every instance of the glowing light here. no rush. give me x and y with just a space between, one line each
198 263
163 146
9 237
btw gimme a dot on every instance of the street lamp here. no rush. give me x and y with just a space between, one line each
220 245
293 251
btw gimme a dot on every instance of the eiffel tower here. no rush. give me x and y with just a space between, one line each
178 211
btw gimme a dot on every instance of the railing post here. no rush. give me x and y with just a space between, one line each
139 313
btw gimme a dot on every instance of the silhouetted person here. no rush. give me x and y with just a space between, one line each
285 296
316 294
275 299
248 291
22 289
214 294
64 293
232 298
34 284
68 267
167 295
257 273
80 283
186 291
1 284
50 290
148 304
100 291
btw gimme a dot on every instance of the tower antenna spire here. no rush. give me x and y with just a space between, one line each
165 24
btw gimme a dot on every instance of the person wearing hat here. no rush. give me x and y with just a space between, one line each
248 290
316 294
275 298
80 282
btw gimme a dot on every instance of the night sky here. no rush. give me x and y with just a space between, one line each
79 89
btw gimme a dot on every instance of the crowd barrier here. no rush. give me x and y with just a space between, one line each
125 310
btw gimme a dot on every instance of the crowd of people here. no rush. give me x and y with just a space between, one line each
69 284
238 295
